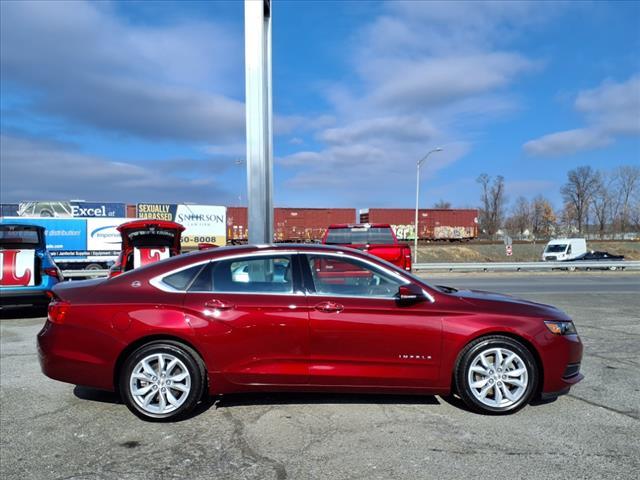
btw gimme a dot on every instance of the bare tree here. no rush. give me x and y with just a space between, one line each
442 204
493 201
627 180
520 219
578 192
603 203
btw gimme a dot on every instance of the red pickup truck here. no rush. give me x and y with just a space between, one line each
377 239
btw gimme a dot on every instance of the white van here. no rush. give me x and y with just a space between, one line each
564 249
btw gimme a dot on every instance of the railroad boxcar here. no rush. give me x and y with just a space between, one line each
433 224
290 224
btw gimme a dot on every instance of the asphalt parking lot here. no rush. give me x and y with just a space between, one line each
51 430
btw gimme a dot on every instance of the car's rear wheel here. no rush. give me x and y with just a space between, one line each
496 375
162 380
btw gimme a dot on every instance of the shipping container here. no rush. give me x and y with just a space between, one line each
236 224
433 224
290 224
131 211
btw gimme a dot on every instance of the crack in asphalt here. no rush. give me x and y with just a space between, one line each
611 409
623 332
247 451
623 361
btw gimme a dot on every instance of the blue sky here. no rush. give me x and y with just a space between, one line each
144 101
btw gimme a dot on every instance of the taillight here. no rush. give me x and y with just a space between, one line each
53 272
58 311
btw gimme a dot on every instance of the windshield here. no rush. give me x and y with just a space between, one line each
19 237
360 236
557 248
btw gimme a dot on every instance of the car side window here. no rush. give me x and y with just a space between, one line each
181 280
268 274
333 275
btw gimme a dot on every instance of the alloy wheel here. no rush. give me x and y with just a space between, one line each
160 383
498 377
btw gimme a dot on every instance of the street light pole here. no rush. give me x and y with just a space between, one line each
415 236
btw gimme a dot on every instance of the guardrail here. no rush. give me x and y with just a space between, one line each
461 267
526 266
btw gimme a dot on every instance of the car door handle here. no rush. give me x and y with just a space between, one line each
329 307
218 304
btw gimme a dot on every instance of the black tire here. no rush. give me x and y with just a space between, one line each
472 350
191 361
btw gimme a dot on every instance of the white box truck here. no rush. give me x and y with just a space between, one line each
563 249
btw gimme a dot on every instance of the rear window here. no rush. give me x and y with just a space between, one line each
359 236
182 279
19 237
248 275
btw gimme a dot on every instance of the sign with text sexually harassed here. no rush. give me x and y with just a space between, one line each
202 223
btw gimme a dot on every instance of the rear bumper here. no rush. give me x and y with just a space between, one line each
61 359
19 298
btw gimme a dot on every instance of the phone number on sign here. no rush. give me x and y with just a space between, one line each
198 239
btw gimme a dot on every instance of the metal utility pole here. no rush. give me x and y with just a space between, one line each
257 54
415 239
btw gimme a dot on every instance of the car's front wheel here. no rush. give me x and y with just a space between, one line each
496 374
162 380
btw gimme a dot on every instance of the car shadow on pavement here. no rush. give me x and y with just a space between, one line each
94 395
457 402
273 398
296 398
314 398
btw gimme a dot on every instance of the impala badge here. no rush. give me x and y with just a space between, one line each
404 356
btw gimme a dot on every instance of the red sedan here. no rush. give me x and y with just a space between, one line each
304 318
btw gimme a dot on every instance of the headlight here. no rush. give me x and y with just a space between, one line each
561 328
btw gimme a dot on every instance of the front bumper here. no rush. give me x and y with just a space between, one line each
561 364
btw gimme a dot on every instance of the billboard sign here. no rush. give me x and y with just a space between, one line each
98 209
45 209
63 236
9 209
103 236
75 209
203 223
156 211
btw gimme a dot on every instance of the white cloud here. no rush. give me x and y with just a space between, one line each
81 62
425 74
567 142
69 173
416 85
399 128
613 107
366 174
284 124
610 110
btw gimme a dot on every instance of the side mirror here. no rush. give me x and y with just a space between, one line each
409 294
